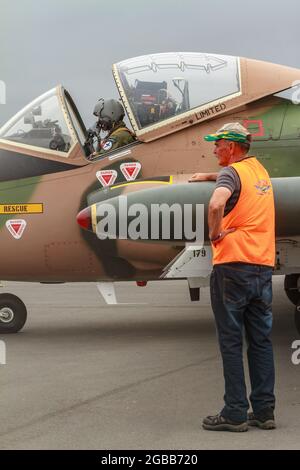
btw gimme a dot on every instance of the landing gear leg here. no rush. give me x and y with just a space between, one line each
13 314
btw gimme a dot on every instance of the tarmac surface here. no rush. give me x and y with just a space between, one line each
83 375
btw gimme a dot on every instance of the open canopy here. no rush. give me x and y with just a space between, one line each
164 93
160 87
49 127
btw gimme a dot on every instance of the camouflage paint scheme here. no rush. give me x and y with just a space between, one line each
54 248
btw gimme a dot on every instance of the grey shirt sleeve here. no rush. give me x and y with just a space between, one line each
228 178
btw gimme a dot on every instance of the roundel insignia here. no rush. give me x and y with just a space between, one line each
107 145
130 170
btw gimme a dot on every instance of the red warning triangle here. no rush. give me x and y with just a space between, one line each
16 227
130 170
107 177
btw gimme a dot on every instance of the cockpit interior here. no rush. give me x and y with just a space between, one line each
158 87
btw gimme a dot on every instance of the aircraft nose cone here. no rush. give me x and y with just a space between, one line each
84 218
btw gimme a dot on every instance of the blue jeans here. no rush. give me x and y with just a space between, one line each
241 297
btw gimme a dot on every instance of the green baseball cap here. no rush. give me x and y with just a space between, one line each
232 131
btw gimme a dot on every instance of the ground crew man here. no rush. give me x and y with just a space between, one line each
242 233
110 115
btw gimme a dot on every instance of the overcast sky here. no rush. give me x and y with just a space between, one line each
75 42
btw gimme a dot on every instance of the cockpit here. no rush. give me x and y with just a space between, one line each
160 87
49 135
161 93
41 124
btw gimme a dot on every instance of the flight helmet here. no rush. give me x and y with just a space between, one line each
108 113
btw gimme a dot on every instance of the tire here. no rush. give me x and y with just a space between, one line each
291 288
13 314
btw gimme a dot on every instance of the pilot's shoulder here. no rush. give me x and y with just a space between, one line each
123 134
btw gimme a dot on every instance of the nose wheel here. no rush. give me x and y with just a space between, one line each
13 314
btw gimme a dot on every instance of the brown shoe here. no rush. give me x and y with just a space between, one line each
263 420
219 423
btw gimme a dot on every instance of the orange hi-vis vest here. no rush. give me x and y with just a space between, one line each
253 217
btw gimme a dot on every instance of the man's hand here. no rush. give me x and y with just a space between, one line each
203 177
223 235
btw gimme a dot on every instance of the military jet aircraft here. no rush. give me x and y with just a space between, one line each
53 196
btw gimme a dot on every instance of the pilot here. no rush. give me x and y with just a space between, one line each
110 114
